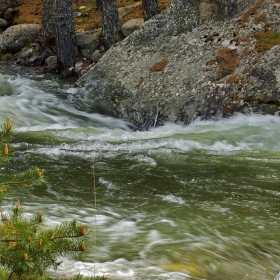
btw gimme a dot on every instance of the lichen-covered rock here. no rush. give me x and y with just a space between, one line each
16 37
175 69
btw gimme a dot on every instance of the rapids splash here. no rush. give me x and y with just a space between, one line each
176 202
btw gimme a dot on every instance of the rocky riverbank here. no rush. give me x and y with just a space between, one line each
201 59
21 42
6 13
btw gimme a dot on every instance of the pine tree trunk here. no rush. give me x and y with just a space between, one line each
48 20
110 23
98 5
65 36
150 8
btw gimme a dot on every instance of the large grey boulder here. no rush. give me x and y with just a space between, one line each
16 37
88 41
177 69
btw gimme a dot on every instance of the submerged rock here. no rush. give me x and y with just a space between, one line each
176 68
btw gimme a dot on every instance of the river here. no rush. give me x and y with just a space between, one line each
176 202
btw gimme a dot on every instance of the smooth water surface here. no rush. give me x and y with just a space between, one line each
176 202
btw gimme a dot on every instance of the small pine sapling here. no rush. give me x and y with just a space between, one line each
25 249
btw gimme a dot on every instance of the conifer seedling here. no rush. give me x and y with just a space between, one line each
26 250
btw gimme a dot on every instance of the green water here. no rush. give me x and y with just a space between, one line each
176 202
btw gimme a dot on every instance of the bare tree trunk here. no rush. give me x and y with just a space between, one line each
98 5
110 23
150 8
48 20
65 37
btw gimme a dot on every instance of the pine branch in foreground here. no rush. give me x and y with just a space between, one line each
28 250
25 249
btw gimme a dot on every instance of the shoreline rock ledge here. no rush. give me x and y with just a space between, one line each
199 59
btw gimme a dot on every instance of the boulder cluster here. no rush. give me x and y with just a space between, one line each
22 41
6 13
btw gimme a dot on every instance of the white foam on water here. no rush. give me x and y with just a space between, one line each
118 270
35 106
146 159
173 199
45 105
108 142
153 235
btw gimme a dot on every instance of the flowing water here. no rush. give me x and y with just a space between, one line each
176 202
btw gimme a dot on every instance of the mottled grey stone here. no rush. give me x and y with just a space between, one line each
131 25
8 14
6 4
96 56
16 37
88 41
3 23
24 53
51 60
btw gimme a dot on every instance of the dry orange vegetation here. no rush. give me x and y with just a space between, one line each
29 11
228 60
159 66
